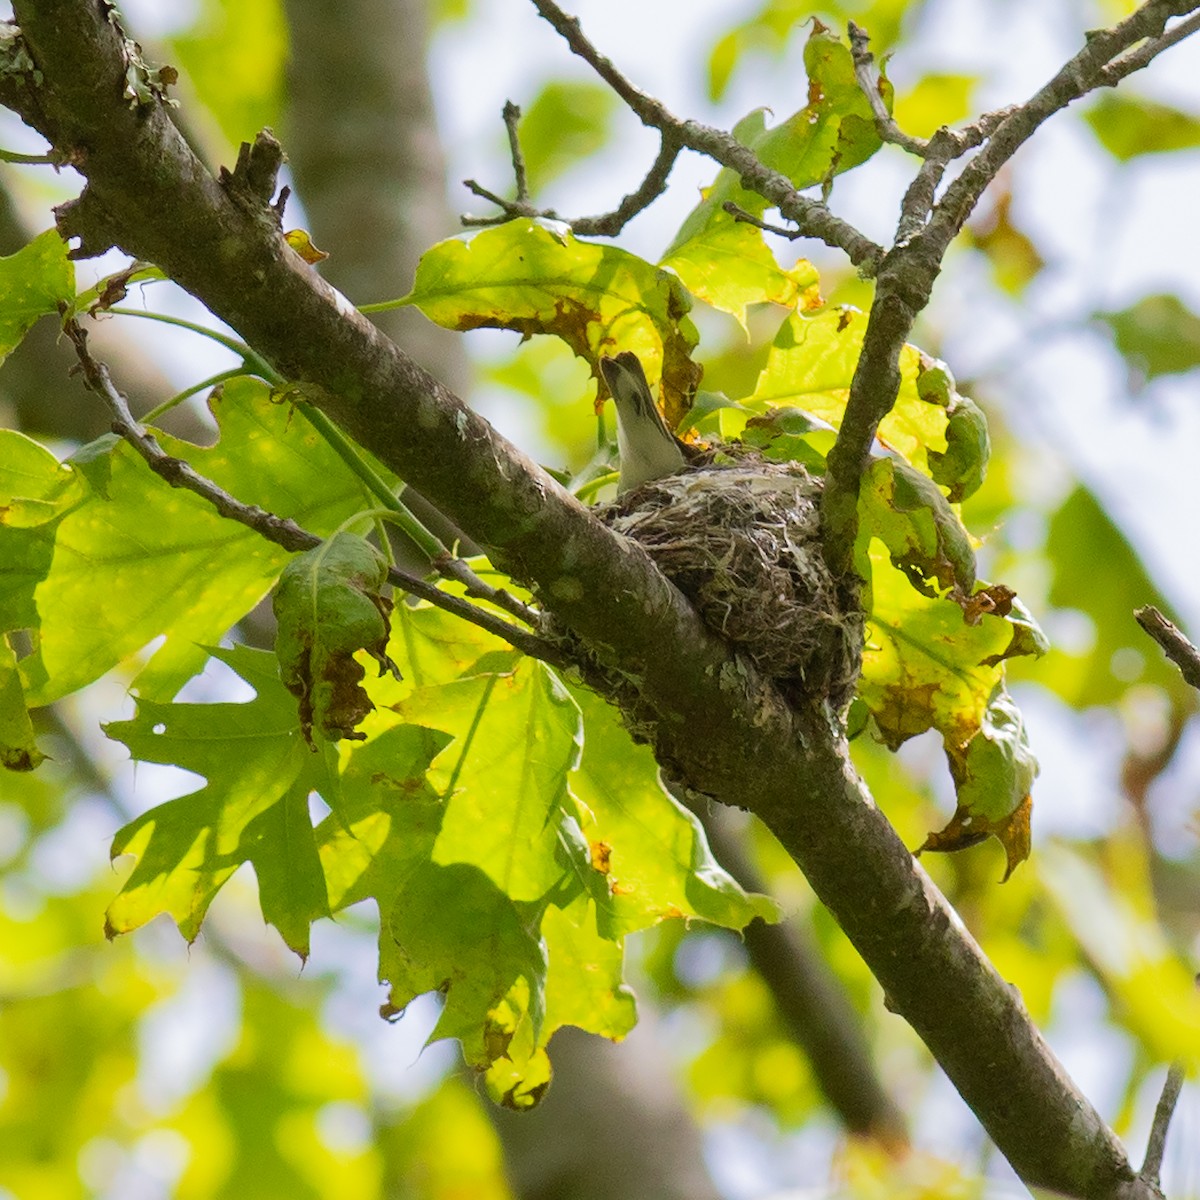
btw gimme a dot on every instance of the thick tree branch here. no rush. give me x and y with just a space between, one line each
716 724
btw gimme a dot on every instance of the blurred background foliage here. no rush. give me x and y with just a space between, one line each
142 1068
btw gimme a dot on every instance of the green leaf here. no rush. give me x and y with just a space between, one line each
35 494
567 122
586 986
1128 126
118 568
1159 335
962 467
504 778
329 604
33 283
931 663
728 264
924 535
533 278
18 749
254 808
993 776
811 364
454 931
834 132
385 818
650 851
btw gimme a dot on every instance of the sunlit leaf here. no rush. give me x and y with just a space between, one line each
254 808
33 283
534 278
810 367
504 778
834 132
652 852
119 568
729 265
18 749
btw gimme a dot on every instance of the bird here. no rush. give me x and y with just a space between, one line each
648 449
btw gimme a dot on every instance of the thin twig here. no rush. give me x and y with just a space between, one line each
520 207
512 116
748 218
1174 645
283 531
868 83
607 224
1156 1144
812 217
611 223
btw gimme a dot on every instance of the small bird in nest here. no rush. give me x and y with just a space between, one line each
649 450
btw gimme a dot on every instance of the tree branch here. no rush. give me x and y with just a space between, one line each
608 224
1174 645
868 84
812 218
1082 74
1156 1143
907 273
715 723
283 531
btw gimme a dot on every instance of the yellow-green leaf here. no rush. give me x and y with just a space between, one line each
534 278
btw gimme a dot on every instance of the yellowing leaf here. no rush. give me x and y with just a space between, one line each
328 605
535 278
729 265
304 246
811 364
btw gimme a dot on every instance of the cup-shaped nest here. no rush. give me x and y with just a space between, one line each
742 542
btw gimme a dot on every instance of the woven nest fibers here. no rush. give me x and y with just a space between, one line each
742 543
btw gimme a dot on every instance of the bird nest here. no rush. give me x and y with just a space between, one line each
742 542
